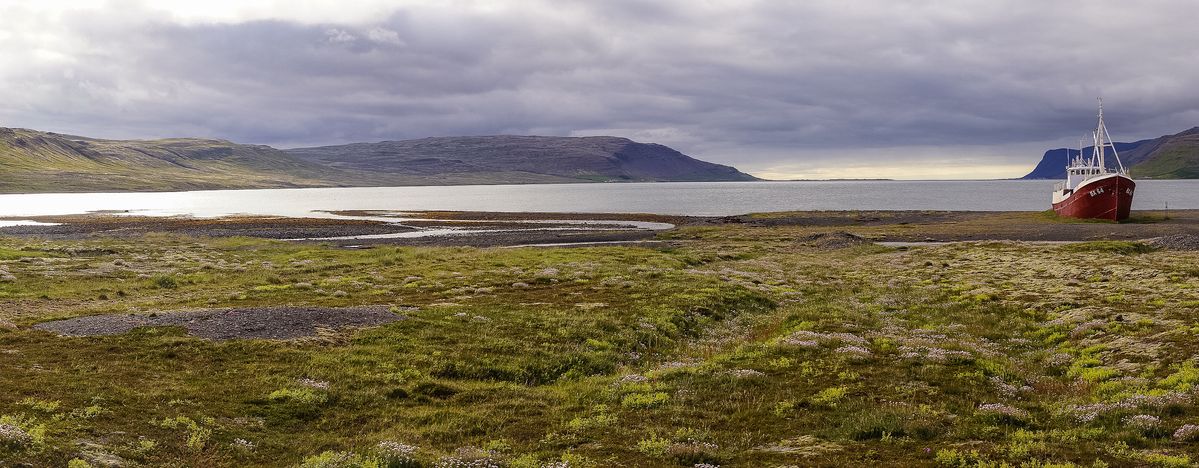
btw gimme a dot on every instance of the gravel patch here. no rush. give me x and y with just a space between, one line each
275 323
1175 242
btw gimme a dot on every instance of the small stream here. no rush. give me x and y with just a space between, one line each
401 219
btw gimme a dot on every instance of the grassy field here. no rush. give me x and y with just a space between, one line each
737 347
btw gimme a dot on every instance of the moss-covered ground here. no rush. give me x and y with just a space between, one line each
734 347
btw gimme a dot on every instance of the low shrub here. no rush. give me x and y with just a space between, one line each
644 400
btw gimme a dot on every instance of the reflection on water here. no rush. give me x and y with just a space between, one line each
400 218
24 222
437 232
679 198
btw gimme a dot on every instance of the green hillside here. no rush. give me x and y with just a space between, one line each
33 161
1177 157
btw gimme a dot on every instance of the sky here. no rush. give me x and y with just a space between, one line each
780 89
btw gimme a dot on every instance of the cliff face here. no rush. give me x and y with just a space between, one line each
1167 157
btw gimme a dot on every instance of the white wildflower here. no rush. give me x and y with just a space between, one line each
848 338
1060 359
691 448
673 365
243 445
1000 409
745 373
857 351
1186 433
1006 389
803 337
469 457
11 435
633 378
1143 422
1086 327
313 383
396 452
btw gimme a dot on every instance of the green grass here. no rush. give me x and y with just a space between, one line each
728 350
1052 216
16 254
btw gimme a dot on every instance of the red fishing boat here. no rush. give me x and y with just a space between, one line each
1092 190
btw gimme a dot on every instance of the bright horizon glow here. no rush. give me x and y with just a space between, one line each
927 162
960 170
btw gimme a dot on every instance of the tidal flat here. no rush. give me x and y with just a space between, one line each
780 339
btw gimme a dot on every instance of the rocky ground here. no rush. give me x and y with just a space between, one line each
274 323
1175 242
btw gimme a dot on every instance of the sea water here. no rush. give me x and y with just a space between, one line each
675 198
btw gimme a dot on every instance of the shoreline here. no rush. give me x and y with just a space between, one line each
364 228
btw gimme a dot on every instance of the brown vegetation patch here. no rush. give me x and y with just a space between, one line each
833 240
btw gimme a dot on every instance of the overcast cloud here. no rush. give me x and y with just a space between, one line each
777 88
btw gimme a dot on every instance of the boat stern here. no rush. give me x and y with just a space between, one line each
1107 198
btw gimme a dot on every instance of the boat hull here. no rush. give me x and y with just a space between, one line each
1102 198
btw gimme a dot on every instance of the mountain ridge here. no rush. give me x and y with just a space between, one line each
34 161
597 158
1173 156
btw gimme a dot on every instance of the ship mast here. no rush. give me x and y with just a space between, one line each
1100 135
1099 145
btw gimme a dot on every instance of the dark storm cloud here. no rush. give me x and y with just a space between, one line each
756 84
